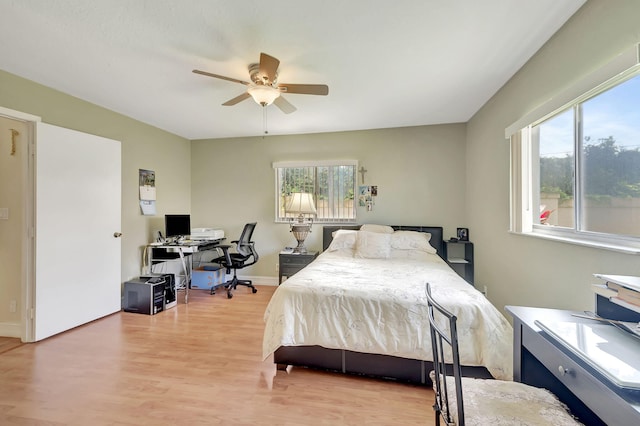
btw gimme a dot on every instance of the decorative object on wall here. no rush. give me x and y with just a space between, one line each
14 134
463 234
362 171
366 196
147 183
301 203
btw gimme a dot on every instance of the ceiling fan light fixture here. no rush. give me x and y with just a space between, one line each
263 95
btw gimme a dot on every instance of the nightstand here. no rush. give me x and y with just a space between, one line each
290 262
459 255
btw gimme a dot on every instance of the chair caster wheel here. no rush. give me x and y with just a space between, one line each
254 290
229 295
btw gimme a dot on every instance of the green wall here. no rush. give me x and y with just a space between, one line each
143 147
520 270
419 172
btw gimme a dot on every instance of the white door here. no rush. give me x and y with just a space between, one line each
77 224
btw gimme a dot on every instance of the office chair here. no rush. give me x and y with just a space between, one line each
244 256
482 401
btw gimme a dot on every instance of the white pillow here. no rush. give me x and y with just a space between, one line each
381 229
343 239
412 240
372 245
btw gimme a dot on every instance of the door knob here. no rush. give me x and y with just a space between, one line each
117 234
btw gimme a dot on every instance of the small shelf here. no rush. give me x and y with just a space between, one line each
456 260
459 255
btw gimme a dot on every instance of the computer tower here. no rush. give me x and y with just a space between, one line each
144 296
170 295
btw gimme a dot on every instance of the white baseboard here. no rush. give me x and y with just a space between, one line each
10 329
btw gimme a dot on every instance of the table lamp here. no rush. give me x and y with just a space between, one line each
301 203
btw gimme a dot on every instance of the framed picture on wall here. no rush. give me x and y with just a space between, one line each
463 234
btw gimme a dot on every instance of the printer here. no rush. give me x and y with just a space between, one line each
205 234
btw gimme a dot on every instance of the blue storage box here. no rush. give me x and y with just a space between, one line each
205 279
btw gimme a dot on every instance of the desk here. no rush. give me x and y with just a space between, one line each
183 249
540 360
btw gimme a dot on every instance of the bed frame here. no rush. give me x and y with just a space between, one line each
373 365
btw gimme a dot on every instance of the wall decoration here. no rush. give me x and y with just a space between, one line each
362 171
147 183
366 196
463 234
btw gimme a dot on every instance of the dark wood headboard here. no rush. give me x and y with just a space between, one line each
327 232
435 231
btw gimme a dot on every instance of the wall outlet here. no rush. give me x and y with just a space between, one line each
4 213
485 291
13 306
277 267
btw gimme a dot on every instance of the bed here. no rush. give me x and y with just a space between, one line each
360 308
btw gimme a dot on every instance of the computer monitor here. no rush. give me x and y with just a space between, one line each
177 225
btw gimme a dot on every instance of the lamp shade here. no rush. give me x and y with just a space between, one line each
300 203
263 95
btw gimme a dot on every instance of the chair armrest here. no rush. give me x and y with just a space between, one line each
225 253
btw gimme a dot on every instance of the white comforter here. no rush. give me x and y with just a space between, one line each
379 306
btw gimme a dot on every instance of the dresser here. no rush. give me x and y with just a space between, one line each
545 357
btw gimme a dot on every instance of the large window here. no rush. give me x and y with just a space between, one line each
576 171
331 183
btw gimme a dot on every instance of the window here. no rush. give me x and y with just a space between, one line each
576 171
332 184
553 140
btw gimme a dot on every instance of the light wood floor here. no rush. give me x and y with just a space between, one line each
8 343
196 364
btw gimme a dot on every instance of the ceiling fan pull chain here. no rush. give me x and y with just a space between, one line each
264 120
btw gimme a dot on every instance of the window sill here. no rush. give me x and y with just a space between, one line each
602 244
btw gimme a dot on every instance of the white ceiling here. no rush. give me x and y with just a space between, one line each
387 63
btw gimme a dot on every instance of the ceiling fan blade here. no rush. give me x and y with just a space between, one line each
269 66
222 77
284 105
237 99
304 89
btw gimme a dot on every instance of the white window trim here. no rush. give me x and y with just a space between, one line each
314 163
519 135
602 242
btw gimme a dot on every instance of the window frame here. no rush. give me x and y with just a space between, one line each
315 164
524 160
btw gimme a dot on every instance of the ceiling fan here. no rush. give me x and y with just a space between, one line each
264 87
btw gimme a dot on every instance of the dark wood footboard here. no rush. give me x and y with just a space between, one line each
373 365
